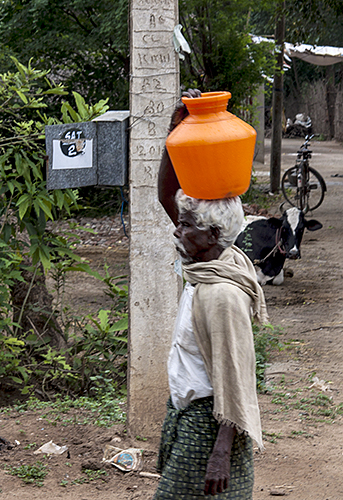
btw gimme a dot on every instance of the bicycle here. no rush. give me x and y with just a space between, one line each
302 186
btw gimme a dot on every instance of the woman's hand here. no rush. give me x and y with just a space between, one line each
181 111
218 467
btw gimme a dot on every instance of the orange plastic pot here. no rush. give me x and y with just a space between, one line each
211 149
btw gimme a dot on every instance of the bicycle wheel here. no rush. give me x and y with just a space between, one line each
289 187
316 189
307 198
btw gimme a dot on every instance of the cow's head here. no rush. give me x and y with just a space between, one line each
290 230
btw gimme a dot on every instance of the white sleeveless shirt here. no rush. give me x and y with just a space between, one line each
187 375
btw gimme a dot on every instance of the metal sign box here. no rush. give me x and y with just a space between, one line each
88 153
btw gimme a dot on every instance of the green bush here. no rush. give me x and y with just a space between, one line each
95 347
266 339
95 360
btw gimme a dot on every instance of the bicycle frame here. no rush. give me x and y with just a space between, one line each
301 172
299 181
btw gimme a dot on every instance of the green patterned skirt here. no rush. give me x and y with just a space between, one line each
188 437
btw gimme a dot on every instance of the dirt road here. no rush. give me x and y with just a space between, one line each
302 426
303 431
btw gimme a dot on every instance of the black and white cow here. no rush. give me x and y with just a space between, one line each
268 242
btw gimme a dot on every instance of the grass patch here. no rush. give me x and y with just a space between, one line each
103 411
272 437
266 339
90 475
93 475
259 195
29 474
29 446
311 406
295 434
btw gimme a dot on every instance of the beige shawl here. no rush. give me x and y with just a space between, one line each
226 293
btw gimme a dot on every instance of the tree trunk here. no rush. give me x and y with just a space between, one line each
331 98
275 156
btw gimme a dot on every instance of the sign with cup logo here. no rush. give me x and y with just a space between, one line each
73 150
88 153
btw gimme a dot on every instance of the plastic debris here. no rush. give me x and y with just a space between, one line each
180 43
51 448
319 384
150 475
126 460
109 452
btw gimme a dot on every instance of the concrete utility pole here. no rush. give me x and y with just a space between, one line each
275 156
154 286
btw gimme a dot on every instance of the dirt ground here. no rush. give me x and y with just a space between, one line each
301 419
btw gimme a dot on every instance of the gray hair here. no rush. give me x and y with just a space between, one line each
226 214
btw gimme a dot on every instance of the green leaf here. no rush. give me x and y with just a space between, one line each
101 106
86 269
14 342
31 338
63 251
21 68
22 96
16 379
44 257
45 207
41 222
18 185
103 316
59 198
65 116
26 390
7 231
31 229
122 324
121 339
10 186
82 108
36 207
56 91
23 203
36 172
19 163
66 108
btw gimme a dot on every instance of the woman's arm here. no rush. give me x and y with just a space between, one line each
168 183
218 467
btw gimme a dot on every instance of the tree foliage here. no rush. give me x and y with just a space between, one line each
317 22
28 323
85 43
223 55
25 203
